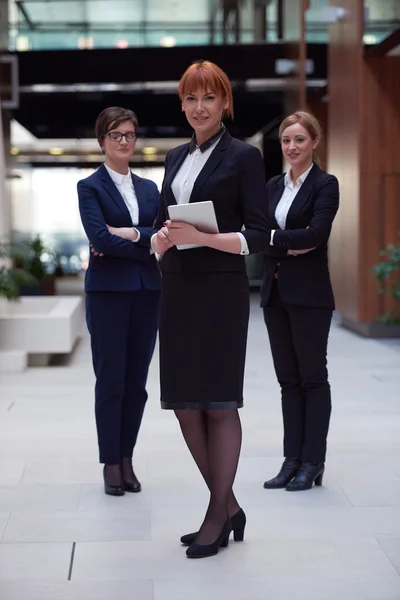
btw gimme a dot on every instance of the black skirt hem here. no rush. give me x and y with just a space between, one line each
201 405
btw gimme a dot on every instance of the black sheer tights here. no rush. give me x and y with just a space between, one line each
214 439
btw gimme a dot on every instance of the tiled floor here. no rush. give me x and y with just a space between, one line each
63 539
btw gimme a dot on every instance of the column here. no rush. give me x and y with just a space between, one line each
364 129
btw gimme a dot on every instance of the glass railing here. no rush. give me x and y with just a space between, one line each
381 18
87 24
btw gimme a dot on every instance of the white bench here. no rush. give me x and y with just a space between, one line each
38 326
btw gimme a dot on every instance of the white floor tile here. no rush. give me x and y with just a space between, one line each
391 547
81 590
39 497
325 587
29 562
76 527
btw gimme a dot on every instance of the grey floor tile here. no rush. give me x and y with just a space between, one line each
81 590
11 471
391 547
361 558
4 517
365 492
29 562
286 588
39 497
288 521
70 471
76 527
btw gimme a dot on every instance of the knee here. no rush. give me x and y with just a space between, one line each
314 381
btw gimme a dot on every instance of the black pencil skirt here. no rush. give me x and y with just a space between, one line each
202 338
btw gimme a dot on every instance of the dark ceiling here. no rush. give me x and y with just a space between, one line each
56 113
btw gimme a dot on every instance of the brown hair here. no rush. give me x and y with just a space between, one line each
207 76
309 122
112 117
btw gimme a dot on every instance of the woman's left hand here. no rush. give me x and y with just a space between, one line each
182 233
126 233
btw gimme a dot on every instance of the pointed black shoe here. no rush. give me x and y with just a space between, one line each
306 476
112 490
288 470
199 551
238 526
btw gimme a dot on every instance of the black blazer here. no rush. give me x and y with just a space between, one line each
126 266
304 279
233 178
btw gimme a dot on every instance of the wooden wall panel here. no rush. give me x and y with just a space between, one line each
295 50
320 110
344 89
380 175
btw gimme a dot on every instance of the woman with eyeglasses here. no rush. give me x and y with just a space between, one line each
122 288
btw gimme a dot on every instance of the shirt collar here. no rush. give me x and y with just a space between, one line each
117 177
300 180
208 143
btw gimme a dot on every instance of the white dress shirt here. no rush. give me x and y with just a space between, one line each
185 179
289 194
124 185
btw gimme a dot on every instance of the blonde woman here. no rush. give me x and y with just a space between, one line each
298 301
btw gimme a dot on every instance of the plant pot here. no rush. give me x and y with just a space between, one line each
45 287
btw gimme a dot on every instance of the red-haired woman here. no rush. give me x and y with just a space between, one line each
298 300
205 297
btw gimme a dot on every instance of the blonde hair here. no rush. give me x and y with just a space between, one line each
207 76
309 122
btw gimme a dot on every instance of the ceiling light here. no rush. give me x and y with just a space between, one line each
56 151
168 41
14 151
85 43
148 150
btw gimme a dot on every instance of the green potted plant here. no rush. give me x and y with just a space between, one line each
29 256
387 273
12 279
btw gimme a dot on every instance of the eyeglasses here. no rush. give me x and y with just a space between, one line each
116 136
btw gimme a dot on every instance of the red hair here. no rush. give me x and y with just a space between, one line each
207 76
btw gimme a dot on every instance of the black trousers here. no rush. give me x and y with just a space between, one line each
299 338
123 330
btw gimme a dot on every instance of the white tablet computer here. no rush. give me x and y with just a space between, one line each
199 214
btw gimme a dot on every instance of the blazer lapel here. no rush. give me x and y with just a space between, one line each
212 163
276 195
173 171
303 193
112 190
141 195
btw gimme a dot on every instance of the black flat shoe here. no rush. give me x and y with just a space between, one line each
306 476
112 490
199 551
238 526
133 486
288 470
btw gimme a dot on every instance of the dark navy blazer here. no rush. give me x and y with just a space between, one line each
126 266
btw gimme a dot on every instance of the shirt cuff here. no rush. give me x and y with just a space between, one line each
244 249
151 242
138 236
271 243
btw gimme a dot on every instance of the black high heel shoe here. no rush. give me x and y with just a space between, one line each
288 470
199 551
306 476
238 526
112 490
